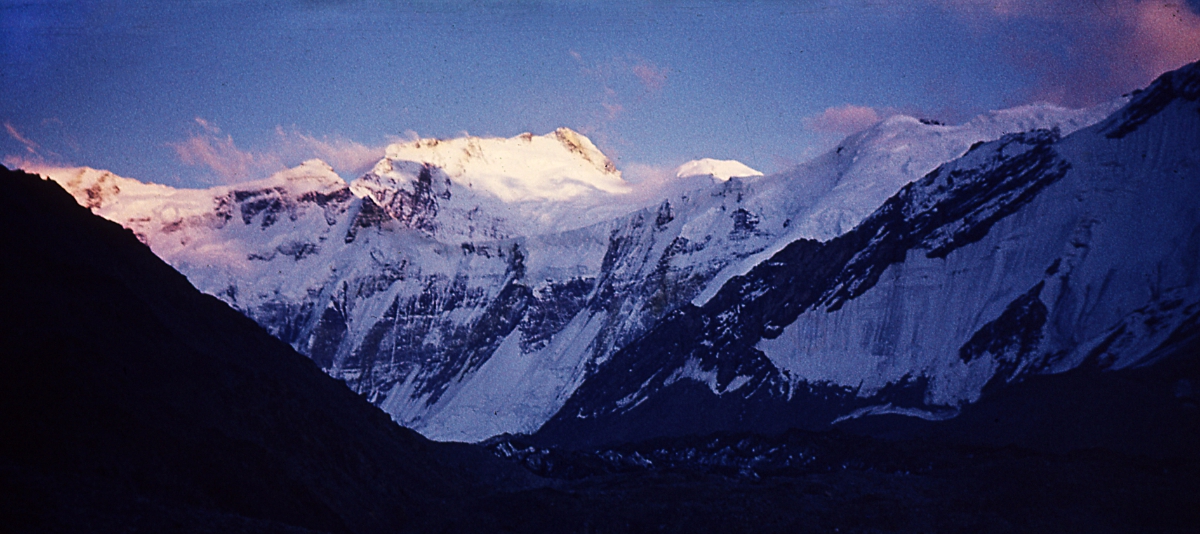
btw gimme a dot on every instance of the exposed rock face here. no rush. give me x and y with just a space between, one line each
470 292
1029 255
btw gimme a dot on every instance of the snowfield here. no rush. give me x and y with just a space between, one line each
471 286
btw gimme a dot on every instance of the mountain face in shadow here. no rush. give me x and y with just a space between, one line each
466 305
132 402
1034 255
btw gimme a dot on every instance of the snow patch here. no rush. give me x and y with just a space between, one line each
886 409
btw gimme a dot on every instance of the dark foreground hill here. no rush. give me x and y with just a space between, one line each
130 402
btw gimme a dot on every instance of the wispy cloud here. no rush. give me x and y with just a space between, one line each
621 79
1113 46
1163 35
35 153
612 110
620 85
650 182
208 146
28 162
344 155
843 120
653 77
647 177
31 147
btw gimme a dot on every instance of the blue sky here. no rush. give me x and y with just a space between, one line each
200 93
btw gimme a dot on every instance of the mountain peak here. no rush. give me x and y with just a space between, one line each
557 166
311 175
1180 84
577 143
96 188
719 169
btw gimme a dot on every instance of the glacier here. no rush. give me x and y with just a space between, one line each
470 286
1037 253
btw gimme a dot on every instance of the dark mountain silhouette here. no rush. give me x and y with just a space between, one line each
129 401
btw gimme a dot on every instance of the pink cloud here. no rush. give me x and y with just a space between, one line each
35 152
210 147
651 76
612 110
1129 44
619 84
1001 8
20 162
207 127
30 146
843 120
1115 46
1164 36
344 155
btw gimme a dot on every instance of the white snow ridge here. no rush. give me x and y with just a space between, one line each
468 286
720 169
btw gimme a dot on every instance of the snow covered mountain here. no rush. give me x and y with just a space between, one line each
470 287
471 188
1036 253
719 169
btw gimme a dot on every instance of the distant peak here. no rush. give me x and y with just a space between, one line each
311 175
467 151
579 144
96 188
720 169
316 164
311 170
559 165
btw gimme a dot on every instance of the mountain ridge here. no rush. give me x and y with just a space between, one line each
462 325
1031 254
130 398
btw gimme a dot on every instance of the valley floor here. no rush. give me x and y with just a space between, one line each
975 490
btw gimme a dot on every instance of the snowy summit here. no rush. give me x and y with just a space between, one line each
557 166
719 169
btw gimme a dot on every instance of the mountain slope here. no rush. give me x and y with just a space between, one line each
132 401
465 314
1031 254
